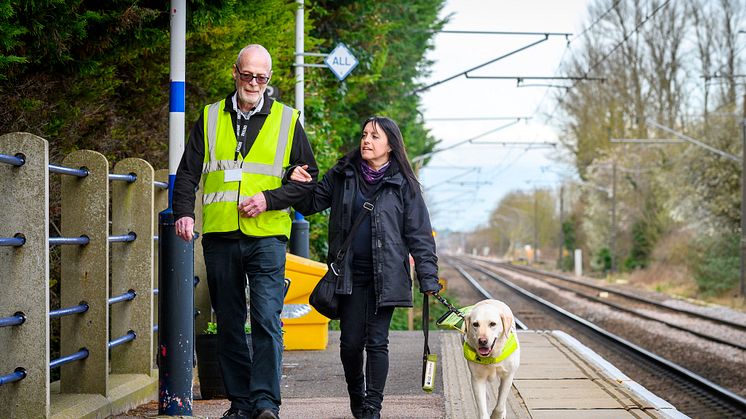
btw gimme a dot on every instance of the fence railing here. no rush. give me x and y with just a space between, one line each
109 256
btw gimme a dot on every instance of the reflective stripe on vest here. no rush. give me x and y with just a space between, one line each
262 169
256 168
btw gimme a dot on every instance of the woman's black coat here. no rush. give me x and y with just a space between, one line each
400 226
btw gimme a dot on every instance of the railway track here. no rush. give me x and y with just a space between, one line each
704 326
692 393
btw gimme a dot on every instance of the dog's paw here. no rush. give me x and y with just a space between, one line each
496 414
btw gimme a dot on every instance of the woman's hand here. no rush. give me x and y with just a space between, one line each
299 174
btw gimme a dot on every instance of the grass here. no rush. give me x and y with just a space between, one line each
400 320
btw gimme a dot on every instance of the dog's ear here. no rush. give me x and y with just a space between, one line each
507 321
467 323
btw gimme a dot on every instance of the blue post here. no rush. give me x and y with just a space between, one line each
176 264
299 236
176 319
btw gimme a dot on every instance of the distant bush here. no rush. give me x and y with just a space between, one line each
642 247
716 263
602 260
569 243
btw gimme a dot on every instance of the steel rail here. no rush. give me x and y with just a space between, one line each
81 241
620 307
16 319
68 170
17 160
17 375
77 356
127 296
129 237
129 336
20 160
626 295
80 308
16 241
129 178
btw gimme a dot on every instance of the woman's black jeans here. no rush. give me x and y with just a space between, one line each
364 327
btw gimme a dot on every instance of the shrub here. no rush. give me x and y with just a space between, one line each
716 263
401 316
212 328
602 260
569 244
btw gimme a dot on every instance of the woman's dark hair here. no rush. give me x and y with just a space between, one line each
396 142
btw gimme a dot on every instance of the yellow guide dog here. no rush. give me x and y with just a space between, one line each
492 351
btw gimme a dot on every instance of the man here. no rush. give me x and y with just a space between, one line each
241 147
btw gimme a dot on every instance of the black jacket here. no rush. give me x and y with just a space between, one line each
400 226
190 167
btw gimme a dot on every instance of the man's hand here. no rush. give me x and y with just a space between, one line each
253 206
185 228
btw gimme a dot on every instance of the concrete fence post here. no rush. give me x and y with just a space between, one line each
85 274
132 267
24 276
578 262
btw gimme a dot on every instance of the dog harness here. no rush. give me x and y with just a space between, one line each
510 346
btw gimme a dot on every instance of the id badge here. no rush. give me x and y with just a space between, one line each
232 175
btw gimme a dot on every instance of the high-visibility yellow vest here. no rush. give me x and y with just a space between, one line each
261 169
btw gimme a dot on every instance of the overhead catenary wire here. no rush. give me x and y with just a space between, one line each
565 34
567 48
456 176
480 118
527 46
611 51
598 19
586 74
426 155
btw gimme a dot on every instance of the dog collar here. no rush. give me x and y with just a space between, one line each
510 346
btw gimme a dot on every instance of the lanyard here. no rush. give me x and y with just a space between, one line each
241 127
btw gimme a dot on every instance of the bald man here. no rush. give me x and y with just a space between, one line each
241 148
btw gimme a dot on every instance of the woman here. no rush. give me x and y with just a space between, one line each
375 274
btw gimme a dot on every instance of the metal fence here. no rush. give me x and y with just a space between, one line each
108 258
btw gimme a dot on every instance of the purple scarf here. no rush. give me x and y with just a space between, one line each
371 175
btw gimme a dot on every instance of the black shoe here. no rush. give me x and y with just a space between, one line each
356 406
266 414
237 413
371 413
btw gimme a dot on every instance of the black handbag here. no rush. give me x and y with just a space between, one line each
324 297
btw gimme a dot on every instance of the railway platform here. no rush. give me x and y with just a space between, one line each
558 378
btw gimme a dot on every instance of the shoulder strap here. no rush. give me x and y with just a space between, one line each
367 208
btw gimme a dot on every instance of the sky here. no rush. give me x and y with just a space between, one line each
462 185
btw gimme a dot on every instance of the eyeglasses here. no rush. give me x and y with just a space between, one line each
248 77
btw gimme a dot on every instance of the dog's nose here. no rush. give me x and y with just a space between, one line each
482 341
